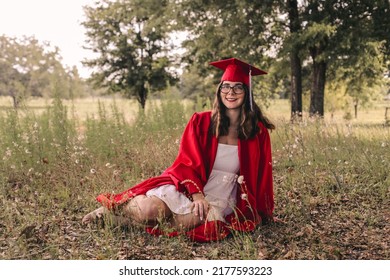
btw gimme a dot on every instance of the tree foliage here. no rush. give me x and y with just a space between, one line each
324 35
131 43
313 42
30 68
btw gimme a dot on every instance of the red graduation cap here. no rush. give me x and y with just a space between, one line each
238 71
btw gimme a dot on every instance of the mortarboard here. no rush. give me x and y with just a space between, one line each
238 71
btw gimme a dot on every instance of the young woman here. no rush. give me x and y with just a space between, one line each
221 179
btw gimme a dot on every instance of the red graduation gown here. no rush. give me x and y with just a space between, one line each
192 167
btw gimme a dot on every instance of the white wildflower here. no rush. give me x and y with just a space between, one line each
93 171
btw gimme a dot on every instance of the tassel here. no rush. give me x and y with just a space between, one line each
250 89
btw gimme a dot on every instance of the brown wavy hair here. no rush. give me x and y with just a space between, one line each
248 127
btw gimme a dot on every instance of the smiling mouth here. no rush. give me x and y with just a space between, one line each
231 99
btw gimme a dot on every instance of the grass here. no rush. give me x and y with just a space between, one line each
331 182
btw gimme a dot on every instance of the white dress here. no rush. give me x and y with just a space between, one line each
220 189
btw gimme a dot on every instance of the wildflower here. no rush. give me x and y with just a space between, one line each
383 144
116 172
93 171
76 161
240 179
309 163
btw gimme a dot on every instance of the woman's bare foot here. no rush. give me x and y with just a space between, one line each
94 215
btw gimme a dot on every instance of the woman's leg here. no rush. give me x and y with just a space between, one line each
100 213
95 215
146 210
186 221
140 209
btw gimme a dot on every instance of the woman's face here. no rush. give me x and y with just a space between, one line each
232 94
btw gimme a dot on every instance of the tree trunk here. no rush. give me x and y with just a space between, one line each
296 87
142 94
318 85
355 105
295 63
15 100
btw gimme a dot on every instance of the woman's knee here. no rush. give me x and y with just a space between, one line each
147 209
187 221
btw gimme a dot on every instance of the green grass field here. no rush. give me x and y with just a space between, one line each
332 182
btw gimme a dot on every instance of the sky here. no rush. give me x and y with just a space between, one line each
55 21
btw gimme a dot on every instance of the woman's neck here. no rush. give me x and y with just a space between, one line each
233 116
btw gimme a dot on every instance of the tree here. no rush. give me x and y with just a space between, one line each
325 35
367 74
295 60
28 68
336 33
130 39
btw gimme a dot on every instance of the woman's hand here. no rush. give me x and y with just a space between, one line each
200 205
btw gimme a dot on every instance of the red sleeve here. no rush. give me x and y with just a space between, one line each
189 167
265 193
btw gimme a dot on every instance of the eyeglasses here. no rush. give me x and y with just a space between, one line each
237 89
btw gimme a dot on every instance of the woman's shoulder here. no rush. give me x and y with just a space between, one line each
202 116
263 130
201 120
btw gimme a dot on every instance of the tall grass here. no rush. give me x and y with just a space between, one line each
331 186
